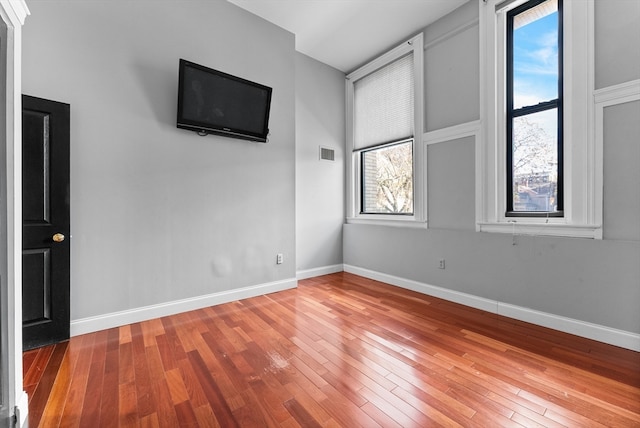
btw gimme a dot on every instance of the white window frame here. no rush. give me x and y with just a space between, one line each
415 45
583 170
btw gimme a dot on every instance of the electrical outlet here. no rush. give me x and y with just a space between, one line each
279 259
441 265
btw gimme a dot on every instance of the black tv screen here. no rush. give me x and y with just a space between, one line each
213 102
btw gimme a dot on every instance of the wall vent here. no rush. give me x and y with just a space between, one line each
327 154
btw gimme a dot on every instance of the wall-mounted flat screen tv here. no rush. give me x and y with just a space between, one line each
213 102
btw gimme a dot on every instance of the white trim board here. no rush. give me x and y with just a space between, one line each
452 133
22 410
618 94
117 319
446 36
597 332
319 271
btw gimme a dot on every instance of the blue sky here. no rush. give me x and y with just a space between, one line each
536 61
535 56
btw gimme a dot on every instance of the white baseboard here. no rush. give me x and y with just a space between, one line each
612 336
325 270
431 290
621 338
116 319
22 411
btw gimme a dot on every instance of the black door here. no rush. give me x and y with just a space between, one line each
45 222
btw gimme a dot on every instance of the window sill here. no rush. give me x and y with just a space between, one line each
591 231
382 220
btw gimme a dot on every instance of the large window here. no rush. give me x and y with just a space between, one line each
539 168
534 109
384 128
382 117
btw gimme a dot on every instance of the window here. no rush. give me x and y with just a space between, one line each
539 168
382 117
387 179
384 107
534 109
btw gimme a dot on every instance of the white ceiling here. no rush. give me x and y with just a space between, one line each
347 33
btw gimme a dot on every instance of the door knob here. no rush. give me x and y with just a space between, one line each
58 237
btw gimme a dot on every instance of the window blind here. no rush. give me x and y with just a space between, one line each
383 104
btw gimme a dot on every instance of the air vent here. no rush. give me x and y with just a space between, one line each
327 154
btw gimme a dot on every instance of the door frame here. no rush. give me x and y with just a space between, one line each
13 399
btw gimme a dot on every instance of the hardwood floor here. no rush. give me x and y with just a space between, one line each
340 350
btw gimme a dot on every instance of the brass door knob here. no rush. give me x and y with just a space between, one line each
58 237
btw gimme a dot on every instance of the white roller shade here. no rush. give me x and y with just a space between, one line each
383 104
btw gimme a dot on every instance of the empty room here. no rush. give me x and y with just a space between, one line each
306 213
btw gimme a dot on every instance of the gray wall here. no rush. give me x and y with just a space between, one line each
596 281
160 214
320 187
622 172
451 189
452 87
617 49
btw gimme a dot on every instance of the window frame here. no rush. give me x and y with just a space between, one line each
582 155
354 196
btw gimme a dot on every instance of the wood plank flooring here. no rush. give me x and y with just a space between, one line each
339 351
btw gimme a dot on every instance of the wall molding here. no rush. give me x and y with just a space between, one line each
542 227
117 319
588 330
451 133
15 11
319 271
617 94
452 33
603 98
